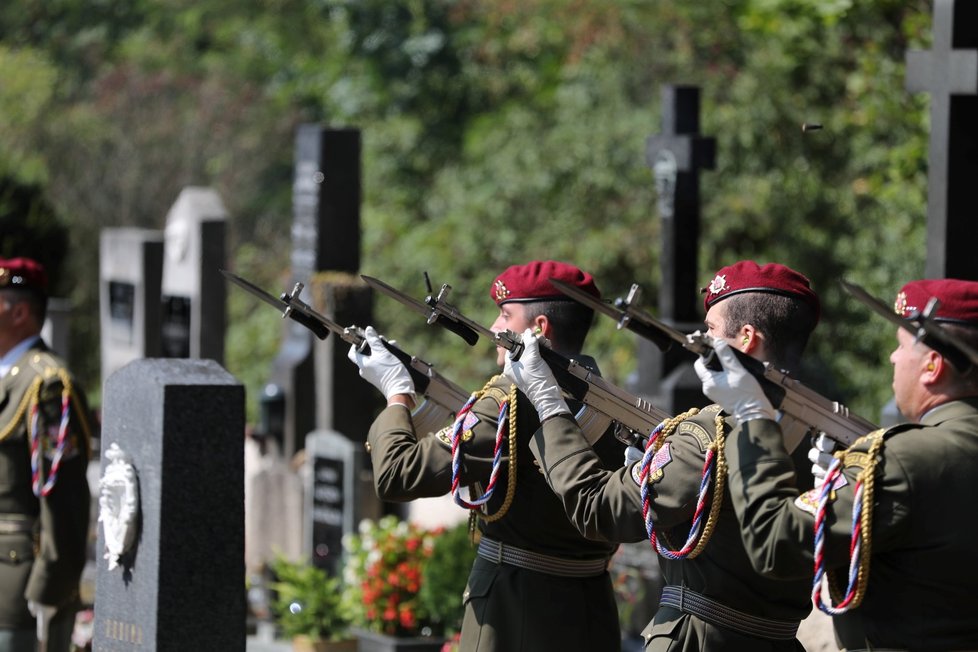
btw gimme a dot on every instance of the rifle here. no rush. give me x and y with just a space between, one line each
921 325
604 402
442 397
804 411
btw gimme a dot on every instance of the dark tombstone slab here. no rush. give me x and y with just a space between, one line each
949 72
193 310
130 277
339 496
180 586
325 237
344 401
676 156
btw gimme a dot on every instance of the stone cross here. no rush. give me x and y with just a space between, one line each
676 156
949 72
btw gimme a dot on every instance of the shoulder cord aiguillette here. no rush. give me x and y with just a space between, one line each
860 543
713 466
507 415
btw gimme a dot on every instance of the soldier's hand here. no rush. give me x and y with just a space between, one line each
534 378
820 455
734 388
633 454
381 369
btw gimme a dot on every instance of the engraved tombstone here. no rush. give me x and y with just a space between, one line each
339 495
193 311
171 517
130 272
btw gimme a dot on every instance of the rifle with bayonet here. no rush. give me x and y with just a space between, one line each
604 403
442 397
922 326
804 411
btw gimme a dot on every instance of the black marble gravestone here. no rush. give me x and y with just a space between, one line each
180 586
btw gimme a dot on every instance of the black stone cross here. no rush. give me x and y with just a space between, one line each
676 157
950 73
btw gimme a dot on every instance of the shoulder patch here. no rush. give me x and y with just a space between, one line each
498 394
698 431
808 501
661 458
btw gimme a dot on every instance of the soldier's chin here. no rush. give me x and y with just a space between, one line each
500 356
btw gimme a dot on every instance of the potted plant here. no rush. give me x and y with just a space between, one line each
309 607
383 574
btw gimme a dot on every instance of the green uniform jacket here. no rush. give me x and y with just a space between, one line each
43 563
922 592
507 609
607 505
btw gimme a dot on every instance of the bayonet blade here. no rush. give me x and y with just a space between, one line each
444 314
255 290
397 295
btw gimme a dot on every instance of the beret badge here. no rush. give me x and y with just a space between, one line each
500 290
718 284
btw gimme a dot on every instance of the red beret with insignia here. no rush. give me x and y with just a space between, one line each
958 299
23 273
531 282
748 276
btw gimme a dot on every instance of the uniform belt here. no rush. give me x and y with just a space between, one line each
716 613
15 523
496 551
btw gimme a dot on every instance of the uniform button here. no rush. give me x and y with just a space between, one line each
465 595
366 445
13 554
14 371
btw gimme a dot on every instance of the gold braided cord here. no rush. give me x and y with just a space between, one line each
868 479
720 482
511 480
668 427
30 399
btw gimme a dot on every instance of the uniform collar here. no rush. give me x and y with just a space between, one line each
950 410
13 355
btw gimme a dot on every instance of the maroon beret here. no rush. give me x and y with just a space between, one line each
23 273
531 282
958 299
748 276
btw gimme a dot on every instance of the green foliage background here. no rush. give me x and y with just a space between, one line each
495 131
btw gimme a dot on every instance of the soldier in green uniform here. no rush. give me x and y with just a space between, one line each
536 584
676 496
44 450
891 529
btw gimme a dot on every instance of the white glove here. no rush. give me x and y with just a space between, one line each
534 378
381 369
43 613
632 455
820 455
734 388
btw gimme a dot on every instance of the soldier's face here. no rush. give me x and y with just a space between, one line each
909 360
512 316
716 323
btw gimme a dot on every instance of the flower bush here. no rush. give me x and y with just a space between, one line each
384 563
307 601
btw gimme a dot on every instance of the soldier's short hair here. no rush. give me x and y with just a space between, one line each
785 321
570 322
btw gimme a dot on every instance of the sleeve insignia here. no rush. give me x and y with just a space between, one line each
697 431
445 434
808 501
497 394
661 458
